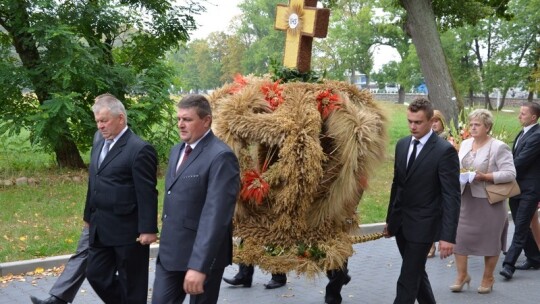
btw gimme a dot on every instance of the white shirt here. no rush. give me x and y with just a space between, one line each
420 145
525 129
192 147
115 139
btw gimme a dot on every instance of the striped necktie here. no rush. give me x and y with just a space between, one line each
104 151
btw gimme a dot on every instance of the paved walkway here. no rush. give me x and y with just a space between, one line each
374 269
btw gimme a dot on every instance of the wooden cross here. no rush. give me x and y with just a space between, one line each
302 20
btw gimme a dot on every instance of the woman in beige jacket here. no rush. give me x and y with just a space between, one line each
482 226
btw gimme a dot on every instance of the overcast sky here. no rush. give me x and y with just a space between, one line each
218 16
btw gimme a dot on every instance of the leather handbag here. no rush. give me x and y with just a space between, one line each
497 193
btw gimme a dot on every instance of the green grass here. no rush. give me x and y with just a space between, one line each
43 220
46 219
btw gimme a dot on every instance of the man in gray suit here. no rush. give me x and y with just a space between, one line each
201 187
68 283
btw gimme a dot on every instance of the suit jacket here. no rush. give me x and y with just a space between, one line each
495 154
198 207
527 162
425 202
121 201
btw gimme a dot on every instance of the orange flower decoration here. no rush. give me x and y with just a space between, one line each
272 93
254 187
239 83
327 102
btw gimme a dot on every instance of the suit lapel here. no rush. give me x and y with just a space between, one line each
192 157
426 150
404 150
97 146
514 147
97 151
115 150
523 139
173 163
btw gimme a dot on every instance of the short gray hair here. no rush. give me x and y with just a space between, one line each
110 102
484 116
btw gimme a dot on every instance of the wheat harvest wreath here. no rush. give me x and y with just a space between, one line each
306 151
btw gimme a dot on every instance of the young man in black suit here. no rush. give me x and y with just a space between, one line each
121 207
424 202
526 151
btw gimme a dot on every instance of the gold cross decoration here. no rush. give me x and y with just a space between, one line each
302 20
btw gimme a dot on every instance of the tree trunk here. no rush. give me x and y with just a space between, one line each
401 95
67 154
471 97
487 101
503 98
422 29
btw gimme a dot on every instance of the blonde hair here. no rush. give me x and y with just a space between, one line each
484 116
438 115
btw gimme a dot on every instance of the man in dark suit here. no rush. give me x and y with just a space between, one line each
526 152
424 202
121 207
201 188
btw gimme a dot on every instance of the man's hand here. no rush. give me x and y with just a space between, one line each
147 238
385 231
446 249
194 282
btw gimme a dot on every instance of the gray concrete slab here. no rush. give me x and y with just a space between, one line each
374 269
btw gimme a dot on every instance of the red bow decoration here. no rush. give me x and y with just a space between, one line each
239 83
327 102
254 187
272 94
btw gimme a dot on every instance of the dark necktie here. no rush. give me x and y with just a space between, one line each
104 151
187 151
520 135
413 154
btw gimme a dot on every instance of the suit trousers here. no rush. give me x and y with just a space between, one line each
413 282
68 283
523 212
336 279
246 271
169 287
119 275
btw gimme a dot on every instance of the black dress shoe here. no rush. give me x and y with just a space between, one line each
274 284
527 265
49 300
507 272
246 282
